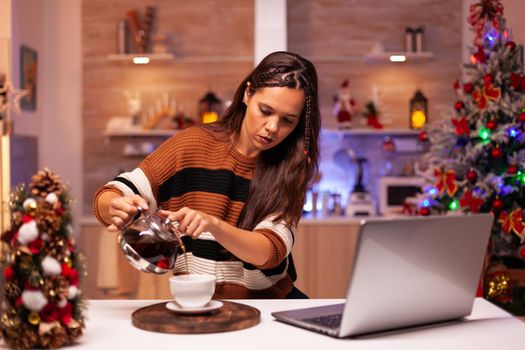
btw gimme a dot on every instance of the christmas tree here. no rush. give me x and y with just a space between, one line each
42 304
476 161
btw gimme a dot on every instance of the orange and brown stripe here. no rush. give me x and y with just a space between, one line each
200 169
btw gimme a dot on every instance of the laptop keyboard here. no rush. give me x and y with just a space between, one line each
328 321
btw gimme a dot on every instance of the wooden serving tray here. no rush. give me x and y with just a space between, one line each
230 317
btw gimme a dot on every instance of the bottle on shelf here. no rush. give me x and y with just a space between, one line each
419 39
409 39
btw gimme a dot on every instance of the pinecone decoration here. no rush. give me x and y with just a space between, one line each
55 338
45 182
48 222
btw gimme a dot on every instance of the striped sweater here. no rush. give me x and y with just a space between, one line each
203 171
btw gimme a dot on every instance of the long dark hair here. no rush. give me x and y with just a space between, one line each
281 173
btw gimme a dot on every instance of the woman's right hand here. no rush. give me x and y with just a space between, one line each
124 209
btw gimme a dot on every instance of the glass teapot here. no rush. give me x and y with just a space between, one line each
151 243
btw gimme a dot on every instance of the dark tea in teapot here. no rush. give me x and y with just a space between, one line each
159 253
151 243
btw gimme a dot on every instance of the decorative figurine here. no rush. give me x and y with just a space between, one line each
344 105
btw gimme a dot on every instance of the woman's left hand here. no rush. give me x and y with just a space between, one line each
192 222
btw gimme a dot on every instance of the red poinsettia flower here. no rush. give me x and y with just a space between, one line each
50 312
471 201
462 127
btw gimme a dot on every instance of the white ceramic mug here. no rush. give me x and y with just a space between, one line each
192 291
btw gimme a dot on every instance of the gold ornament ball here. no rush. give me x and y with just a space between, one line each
30 206
33 318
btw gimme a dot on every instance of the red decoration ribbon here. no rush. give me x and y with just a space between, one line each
490 10
473 202
489 92
513 222
446 181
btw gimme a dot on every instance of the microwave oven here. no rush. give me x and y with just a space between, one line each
394 190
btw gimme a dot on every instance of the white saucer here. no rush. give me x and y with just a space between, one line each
212 305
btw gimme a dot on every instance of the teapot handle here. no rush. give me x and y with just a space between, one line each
140 212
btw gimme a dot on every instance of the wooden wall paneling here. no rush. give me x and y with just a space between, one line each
213 49
336 34
99 259
323 254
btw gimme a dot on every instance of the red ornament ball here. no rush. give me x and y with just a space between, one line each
425 211
497 204
389 145
492 125
512 169
521 117
472 175
522 253
511 45
423 136
9 273
496 152
488 79
459 105
457 85
468 88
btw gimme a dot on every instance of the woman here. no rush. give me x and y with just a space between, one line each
236 187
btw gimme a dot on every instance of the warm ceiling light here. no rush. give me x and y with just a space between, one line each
398 58
140 60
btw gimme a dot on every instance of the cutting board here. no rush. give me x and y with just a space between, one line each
230 317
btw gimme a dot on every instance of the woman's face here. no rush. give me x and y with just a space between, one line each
272 113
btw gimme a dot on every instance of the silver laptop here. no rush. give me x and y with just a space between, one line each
407 272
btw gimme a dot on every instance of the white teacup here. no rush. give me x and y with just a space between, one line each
192 291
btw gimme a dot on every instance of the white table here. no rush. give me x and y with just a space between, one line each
109 327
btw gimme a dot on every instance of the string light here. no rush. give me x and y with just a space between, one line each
521 177
484 134
453 205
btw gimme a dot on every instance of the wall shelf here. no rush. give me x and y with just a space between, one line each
411 57
169 57
150 57
372 132
141 133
